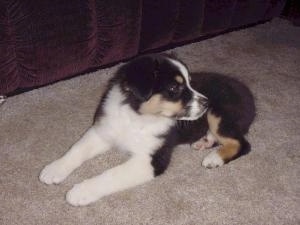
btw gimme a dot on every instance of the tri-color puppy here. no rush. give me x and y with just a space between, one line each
149 107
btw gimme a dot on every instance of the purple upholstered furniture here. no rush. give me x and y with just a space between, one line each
42 41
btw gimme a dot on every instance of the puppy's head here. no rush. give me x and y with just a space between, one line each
160 85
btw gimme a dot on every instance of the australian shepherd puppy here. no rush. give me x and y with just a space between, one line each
151 105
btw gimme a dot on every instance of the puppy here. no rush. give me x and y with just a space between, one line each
148 108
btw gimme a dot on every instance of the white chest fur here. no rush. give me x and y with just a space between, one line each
127 130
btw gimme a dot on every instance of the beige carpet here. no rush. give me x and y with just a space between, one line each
260 188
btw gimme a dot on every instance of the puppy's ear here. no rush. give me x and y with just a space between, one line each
140 86
139 77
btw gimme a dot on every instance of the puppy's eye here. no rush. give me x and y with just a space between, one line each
174 90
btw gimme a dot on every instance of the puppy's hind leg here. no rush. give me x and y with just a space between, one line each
229 150
90 145
231 147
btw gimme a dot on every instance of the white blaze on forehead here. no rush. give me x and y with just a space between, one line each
185 73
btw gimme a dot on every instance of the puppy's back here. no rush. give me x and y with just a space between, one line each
228 98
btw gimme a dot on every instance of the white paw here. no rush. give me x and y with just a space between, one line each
82 194
54 173
213 160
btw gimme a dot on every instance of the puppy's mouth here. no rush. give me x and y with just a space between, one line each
193 111
187 116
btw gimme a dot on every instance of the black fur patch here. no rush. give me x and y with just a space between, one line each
229 99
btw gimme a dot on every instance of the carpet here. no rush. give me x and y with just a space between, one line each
262 187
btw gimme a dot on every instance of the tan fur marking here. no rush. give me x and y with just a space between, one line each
213 123
157 105
229 149
171 108
152 105
179 79
230 146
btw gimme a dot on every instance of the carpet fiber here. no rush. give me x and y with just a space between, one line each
262 187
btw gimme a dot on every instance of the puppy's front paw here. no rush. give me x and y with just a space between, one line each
202 144
213 160
82 194
205 142
54 173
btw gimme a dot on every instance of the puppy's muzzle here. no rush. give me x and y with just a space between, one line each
194 109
